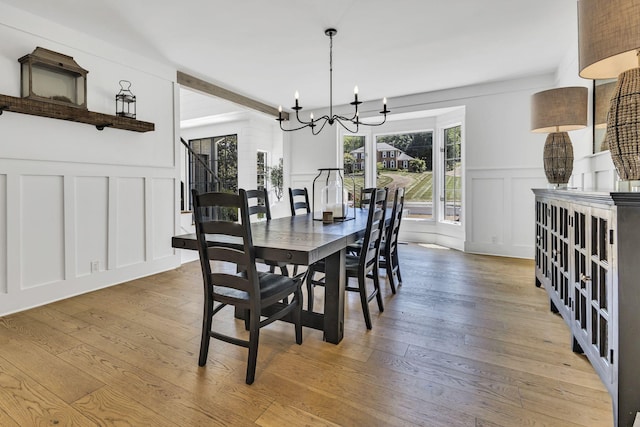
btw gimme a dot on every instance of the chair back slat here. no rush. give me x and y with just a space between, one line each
229 281
375 228
258 203
396 217
227 242
299 204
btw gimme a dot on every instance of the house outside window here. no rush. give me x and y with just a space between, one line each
392 154
384 154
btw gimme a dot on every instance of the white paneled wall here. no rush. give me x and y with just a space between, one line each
82 209
130 221
70 233
163 220
502 212
42 236
91 224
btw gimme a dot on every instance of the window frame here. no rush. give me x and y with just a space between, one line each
443 170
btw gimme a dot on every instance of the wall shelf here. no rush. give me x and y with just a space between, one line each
73 114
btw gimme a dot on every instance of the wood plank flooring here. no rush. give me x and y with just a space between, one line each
468 340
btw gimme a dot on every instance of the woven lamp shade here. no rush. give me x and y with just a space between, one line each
609 37
557 111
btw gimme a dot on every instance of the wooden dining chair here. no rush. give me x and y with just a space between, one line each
259 207
297 204
365 265
365 196
249 291
389 246
365 199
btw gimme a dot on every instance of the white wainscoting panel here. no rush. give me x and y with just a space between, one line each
130 222
91 224
163 195
522 224
500 210
42 230
3 234
488 210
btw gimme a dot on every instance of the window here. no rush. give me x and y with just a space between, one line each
354 161
384 154
414 151
217 155
261 164
392 154
452 174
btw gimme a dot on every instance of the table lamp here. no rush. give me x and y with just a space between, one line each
558 111
608 42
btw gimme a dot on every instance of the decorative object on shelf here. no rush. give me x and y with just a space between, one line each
557 111
602 94
125 101
53 77
331 118
331 198
609 39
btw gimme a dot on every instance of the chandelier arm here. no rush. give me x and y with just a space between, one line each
321 127
294 129
373 124
337 120
302 121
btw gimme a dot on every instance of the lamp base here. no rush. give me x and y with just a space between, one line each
558 158
623 125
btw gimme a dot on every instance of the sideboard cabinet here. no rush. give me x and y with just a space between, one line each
587 257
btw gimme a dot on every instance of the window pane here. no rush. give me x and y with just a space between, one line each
354 162
411 167
452 192
261 165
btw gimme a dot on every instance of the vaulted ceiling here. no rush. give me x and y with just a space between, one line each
268 49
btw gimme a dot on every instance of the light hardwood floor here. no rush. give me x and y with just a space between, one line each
467 341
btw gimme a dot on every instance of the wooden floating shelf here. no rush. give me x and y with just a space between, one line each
73 114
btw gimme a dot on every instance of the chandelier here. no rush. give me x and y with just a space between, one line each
318 124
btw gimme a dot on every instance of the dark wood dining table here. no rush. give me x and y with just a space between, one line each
302 240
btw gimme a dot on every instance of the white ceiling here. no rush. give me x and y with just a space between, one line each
268 49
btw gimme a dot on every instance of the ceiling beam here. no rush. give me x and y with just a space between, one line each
200 85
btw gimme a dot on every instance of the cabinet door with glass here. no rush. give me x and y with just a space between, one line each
592 325
559 243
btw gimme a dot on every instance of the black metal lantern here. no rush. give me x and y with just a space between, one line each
125 101
332 200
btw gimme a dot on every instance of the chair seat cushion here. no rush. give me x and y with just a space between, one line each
271 285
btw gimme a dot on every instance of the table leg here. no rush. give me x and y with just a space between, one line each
334 297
